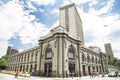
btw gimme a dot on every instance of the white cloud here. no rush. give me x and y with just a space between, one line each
44 2
10 22
104 9
55 11
30 6
31 33
100 28
55 24
66 2
3 47
77 2
92 3
14 19
41 10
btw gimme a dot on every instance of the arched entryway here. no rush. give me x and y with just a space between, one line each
21 68
84 70
30 68
35 68
48 69
27 68
48 62
71 64
71 69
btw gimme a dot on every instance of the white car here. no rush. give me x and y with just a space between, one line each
113 74
27 74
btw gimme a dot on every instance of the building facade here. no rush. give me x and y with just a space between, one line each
11 50
109 52
61 53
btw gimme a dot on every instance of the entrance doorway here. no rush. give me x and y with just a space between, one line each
48 69
89 70
20 68
84 71
71 69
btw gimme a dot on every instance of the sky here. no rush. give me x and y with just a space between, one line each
23 22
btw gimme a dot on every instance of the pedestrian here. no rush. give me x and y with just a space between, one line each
116 73
16 74
94 73
91 74
97 73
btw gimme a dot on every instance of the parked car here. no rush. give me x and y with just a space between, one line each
114 74
24 74
119 73
27 74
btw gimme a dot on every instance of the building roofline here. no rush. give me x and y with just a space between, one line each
67 6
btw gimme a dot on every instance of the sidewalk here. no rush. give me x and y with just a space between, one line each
12 77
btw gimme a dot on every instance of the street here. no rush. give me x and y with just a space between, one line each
12 77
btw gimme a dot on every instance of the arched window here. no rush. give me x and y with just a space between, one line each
88 58
92 59
21 58
71 54
83 57
28 56
36 55
109 58
96 60
48 53
32 55
25 58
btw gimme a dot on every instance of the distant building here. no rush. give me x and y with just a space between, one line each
11 50
61 53
109 52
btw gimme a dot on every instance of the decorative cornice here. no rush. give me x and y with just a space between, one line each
26 51
60 35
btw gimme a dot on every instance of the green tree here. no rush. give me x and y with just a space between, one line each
118 64
4 62
115 61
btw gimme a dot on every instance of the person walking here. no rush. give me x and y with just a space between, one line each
116 73
91 74
16 75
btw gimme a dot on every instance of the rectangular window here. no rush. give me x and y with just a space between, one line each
67 19
49 55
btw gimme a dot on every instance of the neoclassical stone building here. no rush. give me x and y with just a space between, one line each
61 52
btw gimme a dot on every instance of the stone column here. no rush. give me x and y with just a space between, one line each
86 68
25 67
42 62
60 62
79 56
38 60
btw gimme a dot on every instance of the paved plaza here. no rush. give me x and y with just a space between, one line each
12 77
